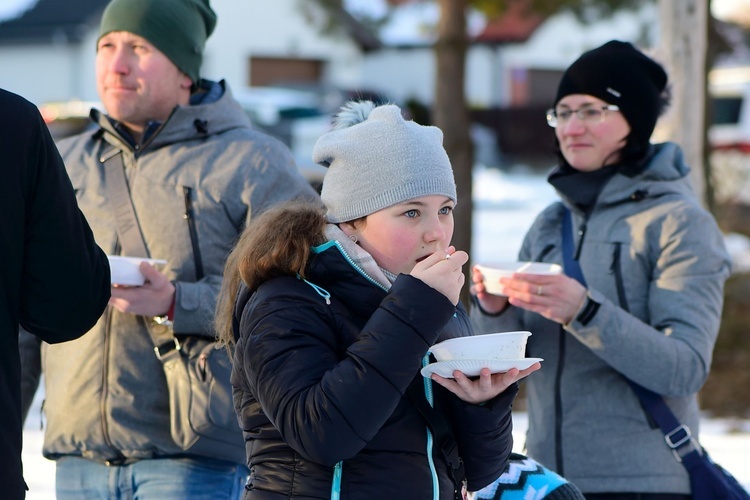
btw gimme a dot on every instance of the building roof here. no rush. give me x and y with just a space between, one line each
515 25
67 21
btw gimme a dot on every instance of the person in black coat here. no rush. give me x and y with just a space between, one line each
54 279
330 316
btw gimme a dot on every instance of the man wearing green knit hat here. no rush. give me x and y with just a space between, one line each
192 172
148 57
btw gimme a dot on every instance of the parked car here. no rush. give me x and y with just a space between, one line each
729 134
294 116
729 89
66 118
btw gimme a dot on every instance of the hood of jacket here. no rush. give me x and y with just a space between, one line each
667 173
185 123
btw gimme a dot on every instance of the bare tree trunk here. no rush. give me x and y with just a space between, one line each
684 34
451 114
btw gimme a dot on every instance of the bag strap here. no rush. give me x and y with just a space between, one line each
128 229
677 436
131 237
570 264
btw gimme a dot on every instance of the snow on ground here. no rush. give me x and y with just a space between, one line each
505 206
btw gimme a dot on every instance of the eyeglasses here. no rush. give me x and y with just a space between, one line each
591 115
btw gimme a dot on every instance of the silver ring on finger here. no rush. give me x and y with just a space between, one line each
539 290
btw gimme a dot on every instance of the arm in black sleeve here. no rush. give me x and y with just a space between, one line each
484 434
65 275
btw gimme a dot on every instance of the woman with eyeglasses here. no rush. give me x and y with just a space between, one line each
648 304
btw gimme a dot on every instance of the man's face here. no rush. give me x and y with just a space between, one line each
136 82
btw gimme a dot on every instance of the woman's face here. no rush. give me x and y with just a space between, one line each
592 144
399 236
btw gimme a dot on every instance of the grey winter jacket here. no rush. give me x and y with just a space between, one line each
656 263
194 184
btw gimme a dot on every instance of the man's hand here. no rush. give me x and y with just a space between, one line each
154 298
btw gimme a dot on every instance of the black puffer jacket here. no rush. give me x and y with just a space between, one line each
328 376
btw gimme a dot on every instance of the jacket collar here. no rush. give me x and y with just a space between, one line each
211 112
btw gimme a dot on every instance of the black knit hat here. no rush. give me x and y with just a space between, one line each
620 74
178 28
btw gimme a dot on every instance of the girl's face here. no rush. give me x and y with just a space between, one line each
401 235
592 144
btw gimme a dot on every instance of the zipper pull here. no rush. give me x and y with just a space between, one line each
581 234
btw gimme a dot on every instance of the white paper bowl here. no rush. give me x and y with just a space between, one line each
492 346
493 272
125 270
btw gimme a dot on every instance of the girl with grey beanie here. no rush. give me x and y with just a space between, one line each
330 314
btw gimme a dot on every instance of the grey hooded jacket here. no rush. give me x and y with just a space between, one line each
194 184
656 263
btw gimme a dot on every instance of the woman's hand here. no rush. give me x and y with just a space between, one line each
557 297
484 387
442 271
489 303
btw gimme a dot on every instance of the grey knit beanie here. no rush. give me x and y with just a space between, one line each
377 159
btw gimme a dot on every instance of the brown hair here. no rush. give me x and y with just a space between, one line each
275 243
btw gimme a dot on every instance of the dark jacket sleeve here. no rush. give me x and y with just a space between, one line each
65 275
484 436
293 364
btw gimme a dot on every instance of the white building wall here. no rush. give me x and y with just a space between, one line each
261 28
562 38
483 77
43 73
401 73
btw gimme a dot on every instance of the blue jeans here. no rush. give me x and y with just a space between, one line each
161 478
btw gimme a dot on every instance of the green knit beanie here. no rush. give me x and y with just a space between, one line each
178 28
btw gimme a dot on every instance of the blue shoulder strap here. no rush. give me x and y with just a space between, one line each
571 266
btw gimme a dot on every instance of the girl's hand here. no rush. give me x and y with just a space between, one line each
442 271
484 387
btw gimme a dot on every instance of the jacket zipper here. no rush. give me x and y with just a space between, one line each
190 219
558 403
105 377
560 367
579 243
545 251
357 268
616 269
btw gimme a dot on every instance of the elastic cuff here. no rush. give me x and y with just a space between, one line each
588 311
